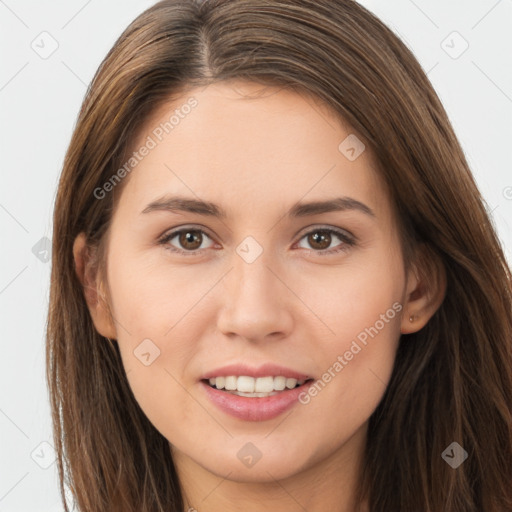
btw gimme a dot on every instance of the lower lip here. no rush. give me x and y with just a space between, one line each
255 408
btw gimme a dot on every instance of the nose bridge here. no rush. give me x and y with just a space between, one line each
254 303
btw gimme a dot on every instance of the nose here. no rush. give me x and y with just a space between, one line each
256 302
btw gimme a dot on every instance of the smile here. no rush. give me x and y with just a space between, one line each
278 394
254 387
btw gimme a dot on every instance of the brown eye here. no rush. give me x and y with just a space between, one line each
186 241
190 240
320 239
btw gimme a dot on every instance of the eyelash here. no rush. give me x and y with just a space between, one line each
347 241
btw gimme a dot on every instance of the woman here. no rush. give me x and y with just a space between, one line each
275 283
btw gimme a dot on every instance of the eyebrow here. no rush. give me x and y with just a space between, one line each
184 204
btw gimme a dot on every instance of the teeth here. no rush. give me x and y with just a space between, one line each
249 386
279 383
230 383
263 384
291 383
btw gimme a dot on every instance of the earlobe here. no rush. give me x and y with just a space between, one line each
426 289
86 267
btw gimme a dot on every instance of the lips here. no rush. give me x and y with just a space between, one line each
254 394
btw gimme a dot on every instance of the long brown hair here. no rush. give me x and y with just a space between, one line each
452 380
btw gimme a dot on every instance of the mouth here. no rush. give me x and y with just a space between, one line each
254 398
251 387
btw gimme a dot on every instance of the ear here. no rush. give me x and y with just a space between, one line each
86 266
425 290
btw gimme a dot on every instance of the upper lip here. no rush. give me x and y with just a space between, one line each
265 370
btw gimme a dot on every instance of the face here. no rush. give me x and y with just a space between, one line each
252 248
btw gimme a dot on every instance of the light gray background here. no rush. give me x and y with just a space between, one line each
39 101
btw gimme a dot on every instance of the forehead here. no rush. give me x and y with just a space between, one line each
245 143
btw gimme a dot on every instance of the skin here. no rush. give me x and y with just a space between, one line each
292 306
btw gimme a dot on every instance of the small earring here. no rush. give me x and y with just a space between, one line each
411 318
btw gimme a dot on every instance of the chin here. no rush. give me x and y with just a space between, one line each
256 461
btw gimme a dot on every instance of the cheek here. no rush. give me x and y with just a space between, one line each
359 305
353 372
348 299
151 297
159 315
